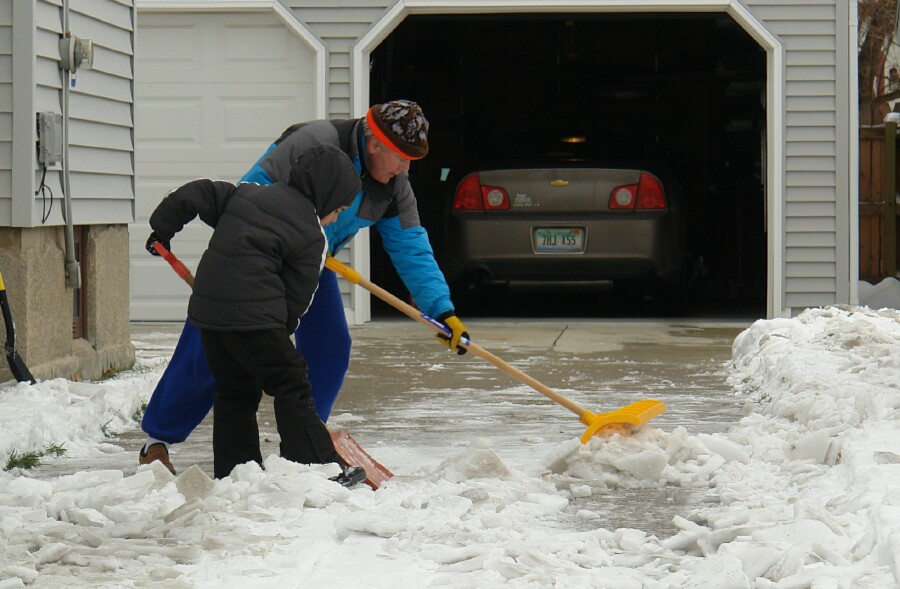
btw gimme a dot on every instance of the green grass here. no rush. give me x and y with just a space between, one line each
32 459
106 431
56 450
26 460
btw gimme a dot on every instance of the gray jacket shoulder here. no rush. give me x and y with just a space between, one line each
278 163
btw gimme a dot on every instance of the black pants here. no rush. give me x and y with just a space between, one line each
246 363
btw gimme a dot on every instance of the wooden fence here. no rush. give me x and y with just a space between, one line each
878 164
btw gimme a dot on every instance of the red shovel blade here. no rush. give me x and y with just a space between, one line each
353 454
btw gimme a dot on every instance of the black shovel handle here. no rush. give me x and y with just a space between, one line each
16 364
7 318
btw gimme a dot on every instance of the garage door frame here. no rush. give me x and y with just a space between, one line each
775 87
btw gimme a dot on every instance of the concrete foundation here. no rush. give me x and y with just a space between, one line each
32 264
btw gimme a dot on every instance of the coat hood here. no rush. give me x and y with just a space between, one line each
327 177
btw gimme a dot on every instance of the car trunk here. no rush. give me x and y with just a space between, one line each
561 190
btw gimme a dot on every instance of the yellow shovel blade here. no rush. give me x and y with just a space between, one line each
637 413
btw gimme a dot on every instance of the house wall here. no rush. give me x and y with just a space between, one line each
32 236
819 262
101 147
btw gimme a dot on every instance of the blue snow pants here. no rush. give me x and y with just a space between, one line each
186 390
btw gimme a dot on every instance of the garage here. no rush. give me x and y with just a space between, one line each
695 83
212 91
753 101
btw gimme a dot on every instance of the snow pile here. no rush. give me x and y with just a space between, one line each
885 294
803 492
73 416
820 491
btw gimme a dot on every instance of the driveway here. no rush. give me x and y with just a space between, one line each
411 403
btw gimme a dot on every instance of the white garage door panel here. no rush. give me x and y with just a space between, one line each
214 51
247 46
176 125
167 46
168 302
212 93
242 125
238 120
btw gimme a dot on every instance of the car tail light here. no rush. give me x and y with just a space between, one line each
468 194
651 194
622 197
647 194
471 195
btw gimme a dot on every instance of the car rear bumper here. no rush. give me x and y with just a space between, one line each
487 251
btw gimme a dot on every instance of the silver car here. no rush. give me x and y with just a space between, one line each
559 208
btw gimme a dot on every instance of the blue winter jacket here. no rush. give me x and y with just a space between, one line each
391 208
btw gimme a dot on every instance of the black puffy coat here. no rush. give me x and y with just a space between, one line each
264 259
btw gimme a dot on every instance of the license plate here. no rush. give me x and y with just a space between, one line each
551 240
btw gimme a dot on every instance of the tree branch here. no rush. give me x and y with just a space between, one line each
879 100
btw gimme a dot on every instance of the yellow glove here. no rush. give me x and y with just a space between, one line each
457 331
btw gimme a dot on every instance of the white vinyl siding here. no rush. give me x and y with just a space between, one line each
101 149
339 28
6 114
816 183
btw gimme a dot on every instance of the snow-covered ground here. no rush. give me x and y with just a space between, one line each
802 492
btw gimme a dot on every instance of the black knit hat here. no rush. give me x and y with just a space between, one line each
401 127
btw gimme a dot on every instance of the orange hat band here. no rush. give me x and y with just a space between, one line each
383 138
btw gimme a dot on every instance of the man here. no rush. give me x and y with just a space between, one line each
381 146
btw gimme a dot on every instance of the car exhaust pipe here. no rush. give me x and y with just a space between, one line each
479 276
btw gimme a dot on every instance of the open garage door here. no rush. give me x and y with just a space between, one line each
693 84
211 93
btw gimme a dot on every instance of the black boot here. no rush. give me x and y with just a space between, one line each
350 476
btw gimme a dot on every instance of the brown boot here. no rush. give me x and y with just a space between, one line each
156 452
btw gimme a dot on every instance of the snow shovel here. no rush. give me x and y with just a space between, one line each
637 413
16 364
349 450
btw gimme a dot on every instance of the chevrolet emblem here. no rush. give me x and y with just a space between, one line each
559 183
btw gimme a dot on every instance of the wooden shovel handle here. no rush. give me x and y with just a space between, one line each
355 277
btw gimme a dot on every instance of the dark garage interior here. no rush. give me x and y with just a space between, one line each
693 84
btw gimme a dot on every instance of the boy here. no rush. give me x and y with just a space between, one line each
252 286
